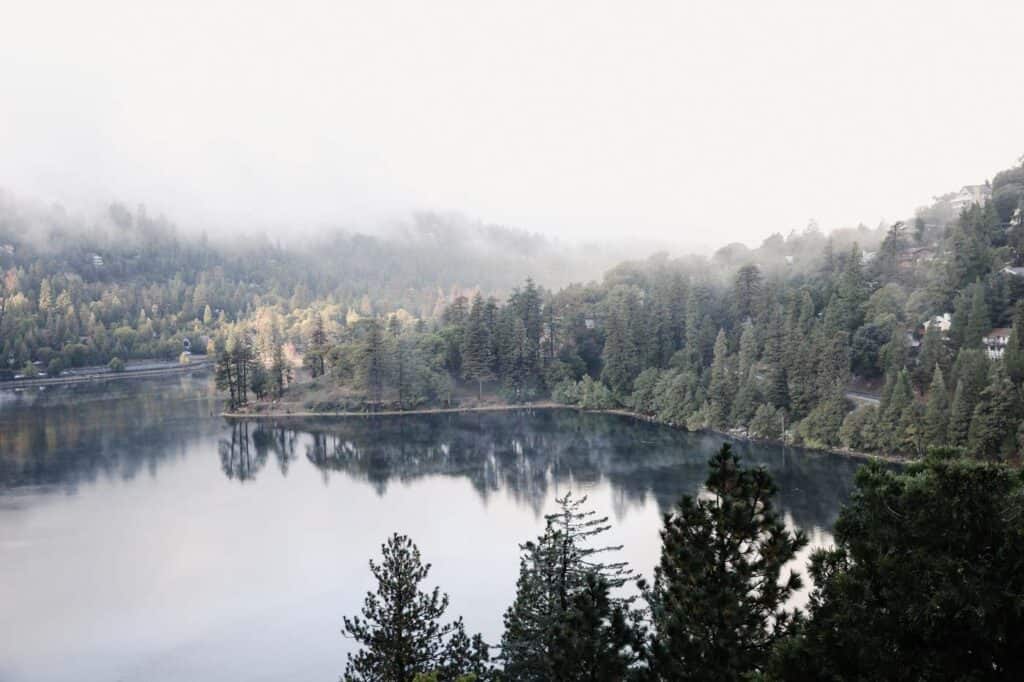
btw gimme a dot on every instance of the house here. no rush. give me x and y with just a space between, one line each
969 195
1015 271
944 322
995 342
97 260
589 323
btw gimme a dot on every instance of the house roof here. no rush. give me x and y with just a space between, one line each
999 331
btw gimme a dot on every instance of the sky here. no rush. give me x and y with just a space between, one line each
687 123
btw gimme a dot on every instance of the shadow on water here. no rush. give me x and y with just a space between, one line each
529 454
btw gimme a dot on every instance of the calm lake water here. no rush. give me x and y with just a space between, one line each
144 538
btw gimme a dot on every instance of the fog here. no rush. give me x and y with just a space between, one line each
692 124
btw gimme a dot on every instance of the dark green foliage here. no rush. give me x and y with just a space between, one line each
719 592
562 619
400 628
924 582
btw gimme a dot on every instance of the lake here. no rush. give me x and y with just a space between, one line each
142 537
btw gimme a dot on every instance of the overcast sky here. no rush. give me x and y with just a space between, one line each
682 121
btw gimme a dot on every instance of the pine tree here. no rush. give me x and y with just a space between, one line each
556 572
747 294
1013 355
621 355
959 417
719 595
477 358
280 370
978 321
372 360
595 642
994 422
891 423
317 350
723 384
932 355
936 418
400 628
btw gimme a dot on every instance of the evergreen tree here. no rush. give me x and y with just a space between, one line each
1013 355
923 583
477 351
280 370
621 354
936 418
559 574
747 293
892 423
719 595
723 385
372 361
993 427
400 628
314 358
932 355
978 320
960 414
595 642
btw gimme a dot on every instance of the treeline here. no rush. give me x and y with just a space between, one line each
130 285
923 583
767 349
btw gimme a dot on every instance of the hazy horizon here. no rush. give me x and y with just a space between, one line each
663 125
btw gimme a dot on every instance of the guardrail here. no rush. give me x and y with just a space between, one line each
105 376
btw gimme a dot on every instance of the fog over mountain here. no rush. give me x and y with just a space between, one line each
689 124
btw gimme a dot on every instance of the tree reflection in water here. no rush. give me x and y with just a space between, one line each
528 454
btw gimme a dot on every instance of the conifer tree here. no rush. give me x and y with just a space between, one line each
936 418
400 628
620 355
477 357
994 422
1013 355
316 349
719 593
372 361
723 384
747 294
561 582
978 320
932 355
959 417
892 423
280 370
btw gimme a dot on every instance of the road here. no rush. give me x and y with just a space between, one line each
862 397
86 375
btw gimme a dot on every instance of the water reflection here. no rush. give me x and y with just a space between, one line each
183 529
66 436
529 453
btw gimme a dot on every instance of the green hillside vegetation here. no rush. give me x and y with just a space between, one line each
765 342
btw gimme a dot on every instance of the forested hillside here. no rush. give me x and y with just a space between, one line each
924 315
129 285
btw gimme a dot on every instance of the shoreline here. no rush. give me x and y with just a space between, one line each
550 405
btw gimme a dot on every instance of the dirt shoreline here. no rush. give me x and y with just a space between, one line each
549 405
